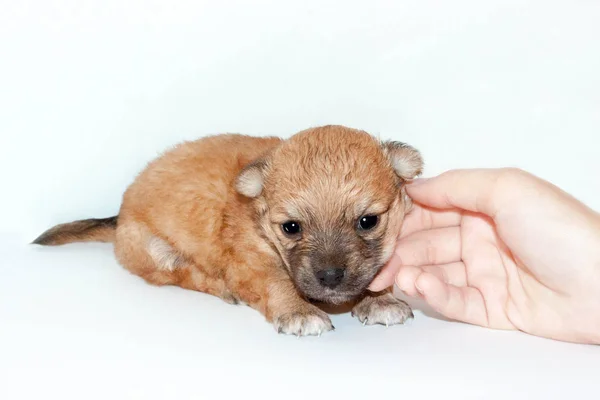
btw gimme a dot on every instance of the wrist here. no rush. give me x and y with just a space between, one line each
593 330
587 320
591 333
590 315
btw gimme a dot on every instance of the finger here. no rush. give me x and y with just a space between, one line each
435 246
385 278
453 274
423 218
474 190
462 304
406 278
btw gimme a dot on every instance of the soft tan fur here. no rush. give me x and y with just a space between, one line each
207 216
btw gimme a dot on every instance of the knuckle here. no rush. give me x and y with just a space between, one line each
431 253
508 179
426 220
510 174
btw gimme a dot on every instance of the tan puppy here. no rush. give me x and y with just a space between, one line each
271 223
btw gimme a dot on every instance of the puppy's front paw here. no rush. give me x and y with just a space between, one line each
385 310
310 321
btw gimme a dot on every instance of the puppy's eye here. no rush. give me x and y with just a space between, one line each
368 222
291 228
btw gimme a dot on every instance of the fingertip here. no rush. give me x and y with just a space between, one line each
383 280
418 287
426 280
468 189
405 280
379 284
417 182
431 288
412 191
417 190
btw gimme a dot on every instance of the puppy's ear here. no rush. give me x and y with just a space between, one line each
250 181
406 160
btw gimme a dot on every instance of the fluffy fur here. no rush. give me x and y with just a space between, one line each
208 215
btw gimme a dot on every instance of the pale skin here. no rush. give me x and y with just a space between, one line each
503 249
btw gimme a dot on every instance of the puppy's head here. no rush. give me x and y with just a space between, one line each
331 200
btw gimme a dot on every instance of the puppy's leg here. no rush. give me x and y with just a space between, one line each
191 277
290 314
382 308
160 264
271 291
266 289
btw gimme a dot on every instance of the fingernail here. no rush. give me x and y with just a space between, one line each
418 288
418 181
375 285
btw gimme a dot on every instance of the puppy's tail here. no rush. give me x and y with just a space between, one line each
87 230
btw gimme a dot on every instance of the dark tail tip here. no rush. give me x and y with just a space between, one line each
43 239
100 230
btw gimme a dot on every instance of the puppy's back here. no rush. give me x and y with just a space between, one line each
183 194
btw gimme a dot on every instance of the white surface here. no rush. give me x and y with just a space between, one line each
92 90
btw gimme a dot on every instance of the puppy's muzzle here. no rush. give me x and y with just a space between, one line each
331 277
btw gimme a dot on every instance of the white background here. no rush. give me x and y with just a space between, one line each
92 90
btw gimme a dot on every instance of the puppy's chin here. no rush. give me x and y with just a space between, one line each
344 293
333 297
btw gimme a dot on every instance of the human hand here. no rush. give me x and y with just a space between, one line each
504 249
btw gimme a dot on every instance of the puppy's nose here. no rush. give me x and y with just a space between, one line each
331 277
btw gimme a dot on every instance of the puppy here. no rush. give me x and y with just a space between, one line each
275 224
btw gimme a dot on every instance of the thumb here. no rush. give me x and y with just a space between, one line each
477 190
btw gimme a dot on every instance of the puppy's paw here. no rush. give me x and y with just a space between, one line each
385 310
310 321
